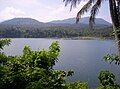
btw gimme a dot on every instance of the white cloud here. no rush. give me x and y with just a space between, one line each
62 12
37 9
21 2
10 12
62 8
42 10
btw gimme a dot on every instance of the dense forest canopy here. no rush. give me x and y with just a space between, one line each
27 27
52 32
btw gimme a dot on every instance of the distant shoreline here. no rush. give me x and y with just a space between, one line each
71 38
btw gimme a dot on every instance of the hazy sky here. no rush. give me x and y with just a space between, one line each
44 10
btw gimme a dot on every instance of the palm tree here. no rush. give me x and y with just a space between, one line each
93 6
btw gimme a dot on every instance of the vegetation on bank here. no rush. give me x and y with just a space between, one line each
52 32
34 70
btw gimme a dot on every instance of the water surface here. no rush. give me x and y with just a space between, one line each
82 56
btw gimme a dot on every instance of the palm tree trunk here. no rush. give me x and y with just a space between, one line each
114 11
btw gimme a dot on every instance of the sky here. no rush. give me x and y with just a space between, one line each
44 10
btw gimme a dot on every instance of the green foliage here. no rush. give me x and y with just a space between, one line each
77 85
108 87
34 70
107 81
106 78
31 66
51 32
4 42
3 57
112 58
55 80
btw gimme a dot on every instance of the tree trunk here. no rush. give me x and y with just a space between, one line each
114 11
117 38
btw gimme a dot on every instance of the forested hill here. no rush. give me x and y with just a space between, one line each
85 20
29 22
63 23
27 27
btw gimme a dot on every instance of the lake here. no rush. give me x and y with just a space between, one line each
82 56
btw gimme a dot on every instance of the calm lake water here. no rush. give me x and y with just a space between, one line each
82 56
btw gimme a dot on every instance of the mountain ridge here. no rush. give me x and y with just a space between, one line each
84 20
70 22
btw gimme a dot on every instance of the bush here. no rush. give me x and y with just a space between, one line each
33 70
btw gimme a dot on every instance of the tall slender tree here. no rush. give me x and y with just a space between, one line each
93 6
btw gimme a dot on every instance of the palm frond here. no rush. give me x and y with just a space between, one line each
94 10
84 9
73 3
